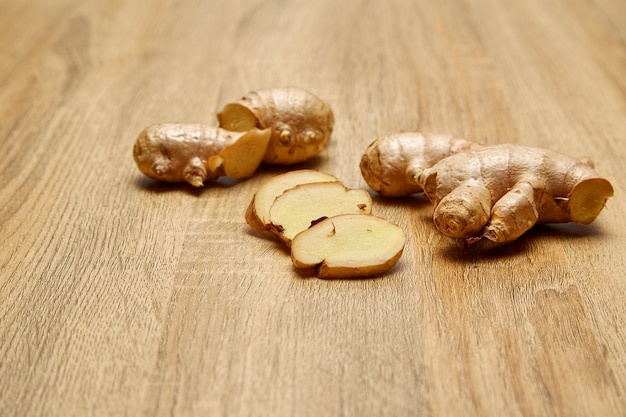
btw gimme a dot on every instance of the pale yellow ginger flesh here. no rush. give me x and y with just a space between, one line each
348 246
391 164
499 192
301 123
242 158
195 153
297 208
258 213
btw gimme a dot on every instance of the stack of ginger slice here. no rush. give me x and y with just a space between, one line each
328 227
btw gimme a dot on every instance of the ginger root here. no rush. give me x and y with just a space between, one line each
301 122
277 126
391 164
496 192
195 153
499 192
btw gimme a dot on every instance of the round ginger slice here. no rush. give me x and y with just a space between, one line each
299 207
349 246
258 213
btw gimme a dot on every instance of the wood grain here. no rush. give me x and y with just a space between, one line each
123 297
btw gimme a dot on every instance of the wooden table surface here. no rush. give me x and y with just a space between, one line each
120 296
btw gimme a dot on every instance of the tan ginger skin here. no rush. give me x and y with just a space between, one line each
391 164
195 153
277 126
499 192
301 122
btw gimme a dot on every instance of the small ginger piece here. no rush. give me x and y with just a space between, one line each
195 153
499 192
297 208
258 213
301 123
348 246
391 164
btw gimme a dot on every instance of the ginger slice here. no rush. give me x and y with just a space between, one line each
297 208
258 213
348 246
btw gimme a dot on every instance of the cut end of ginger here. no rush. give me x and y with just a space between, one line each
242 158
588 198
237 118
348 246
